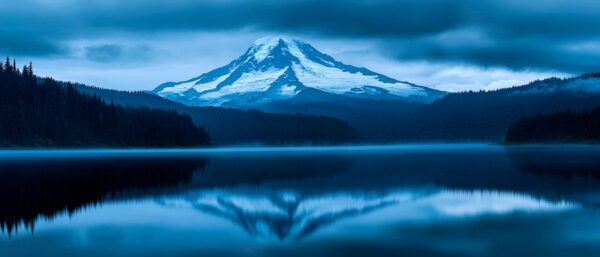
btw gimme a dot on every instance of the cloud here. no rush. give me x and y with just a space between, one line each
477 48
552 35
336 17
104 53
29 45
115 53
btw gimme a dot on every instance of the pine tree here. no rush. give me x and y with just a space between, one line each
14 66
30 69
7 67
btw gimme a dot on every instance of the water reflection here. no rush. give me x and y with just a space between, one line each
573 163
45 188
413 202
274 214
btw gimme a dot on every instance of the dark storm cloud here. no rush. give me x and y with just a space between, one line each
503 33
114 53
104 53
29 45
532 53
331 17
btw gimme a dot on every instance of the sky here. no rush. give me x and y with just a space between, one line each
453 45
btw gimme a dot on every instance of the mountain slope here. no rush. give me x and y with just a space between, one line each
286 69
487 115
44 112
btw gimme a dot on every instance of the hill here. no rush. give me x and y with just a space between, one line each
242 127
43 112
561 127
463 116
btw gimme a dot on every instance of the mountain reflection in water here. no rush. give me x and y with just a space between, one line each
290 215
294 196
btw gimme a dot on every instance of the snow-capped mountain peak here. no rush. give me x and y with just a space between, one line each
263 47
282 68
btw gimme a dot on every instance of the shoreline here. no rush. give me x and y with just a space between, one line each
11 153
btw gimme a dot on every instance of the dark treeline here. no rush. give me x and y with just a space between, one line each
45 112
565 126
242 127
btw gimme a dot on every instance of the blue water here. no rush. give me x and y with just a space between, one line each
410 200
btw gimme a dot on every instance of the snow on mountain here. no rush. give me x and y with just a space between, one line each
282 68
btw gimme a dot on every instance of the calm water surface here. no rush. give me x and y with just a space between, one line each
411 200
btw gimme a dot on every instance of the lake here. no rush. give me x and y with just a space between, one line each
411 200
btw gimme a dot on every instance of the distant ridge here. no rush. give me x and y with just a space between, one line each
242 127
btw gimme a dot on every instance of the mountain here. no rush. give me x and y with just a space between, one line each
284 75
462 116
285 69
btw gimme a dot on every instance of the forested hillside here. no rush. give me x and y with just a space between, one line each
44 112
486 115
243 127
566 126
462 116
